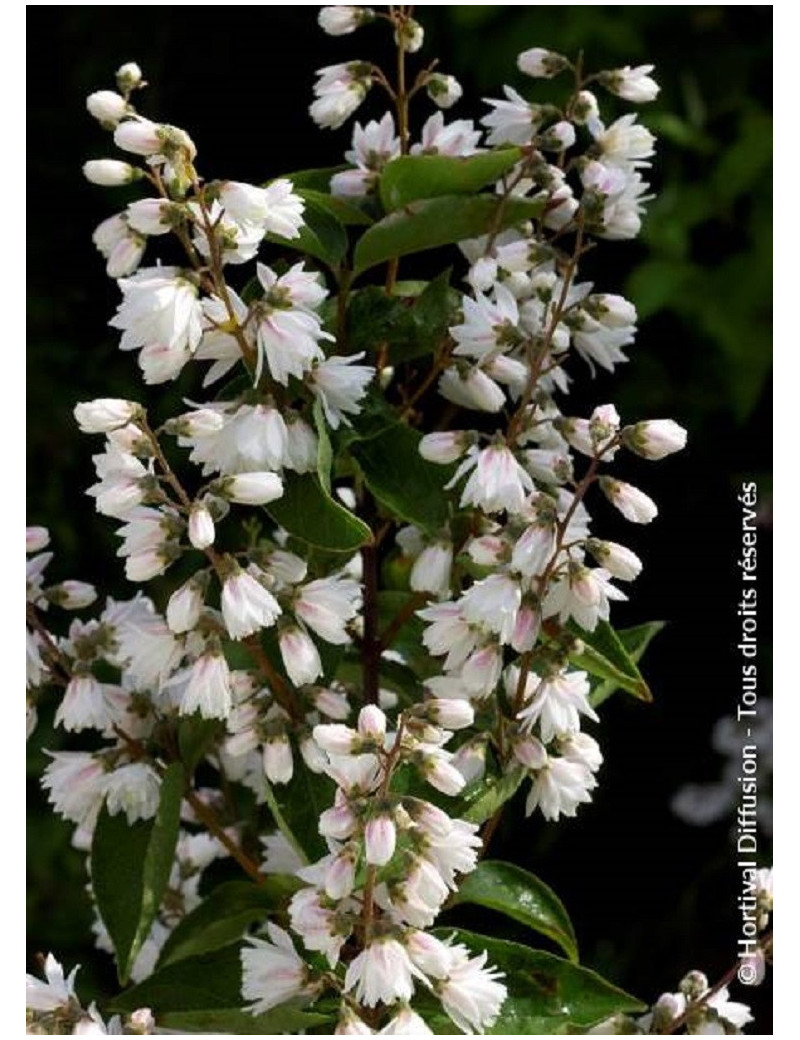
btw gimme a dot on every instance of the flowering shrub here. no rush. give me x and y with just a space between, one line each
388 611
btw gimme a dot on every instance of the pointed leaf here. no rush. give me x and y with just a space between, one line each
430 223
209 980
279 1021
604 655
321 236
514 892
481 799
411 177
546 994
301 803
408 486
324 450
224 916
346 212
635 640
131 865
306 511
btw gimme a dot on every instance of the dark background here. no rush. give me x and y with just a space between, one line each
651 896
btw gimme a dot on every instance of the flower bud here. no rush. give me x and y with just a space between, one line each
107 107
139 136
72 595
654 439
129 77
105 414
300 656
201 526
450 712
618 560
149 216
184 607
443 90
631 84
585 109
380 838
109 173
372 723
335 738
445 447
410 36
278 763
634 504
541 63
341 20
36 538
252 489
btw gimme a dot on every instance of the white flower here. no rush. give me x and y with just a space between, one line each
541 63
556 704
497 482
185 606
315 924
581 748
121 486
278 761
488 324
109 173
493 603
534 549
431 570
327 605
55 992
287 332
145 644
107 107
122 248
418 898
129 76
133 789
382 973
88 704
443 90
201 526
301 446
340 384
247 606
444 448
559 788
380 837
459 138
272 971
472 995
655 439
634 504
339 91
341 20
437 768
159 309
350 1024
583 594
632 84
73 595
618 560
512 121
300 656
36 538
373 146
207 687
275 209
410 35
140 136
625 141
406 1023
623 196
75 781
279 856
471 389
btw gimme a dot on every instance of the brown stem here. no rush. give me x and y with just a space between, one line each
406 612
56 655
209 819
488 831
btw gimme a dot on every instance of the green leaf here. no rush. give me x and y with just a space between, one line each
196 736
324 450
411 177
309 513
321 236
344 211
408 486
131 865
280 1021
481 799
635 640
409 324
604 655
301 803
316 180
514 892
429 223
209 980
546 994
224 916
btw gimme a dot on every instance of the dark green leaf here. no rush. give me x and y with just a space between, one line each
412 177
321 236
317 180
409 486
546 994
131 867
430 223
306 511
514 892
196 736
344 211
481 799
280 1021
604 656
635 640
210 980
224 916
301 803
